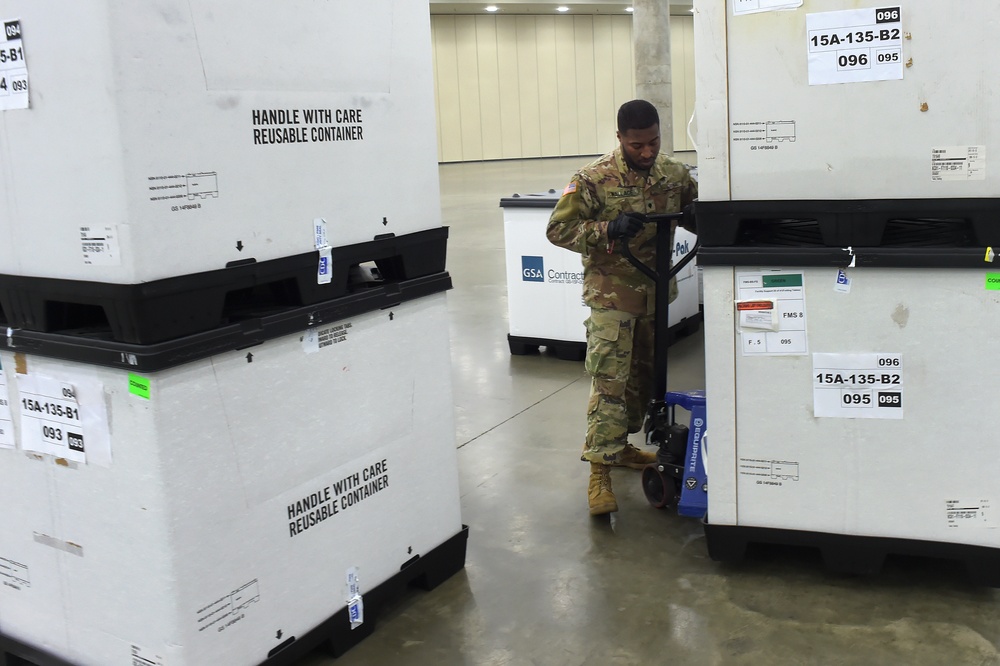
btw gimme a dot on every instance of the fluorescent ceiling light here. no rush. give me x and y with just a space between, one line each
630 9
492 8
562 9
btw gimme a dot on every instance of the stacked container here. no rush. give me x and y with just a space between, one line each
225 433
848 220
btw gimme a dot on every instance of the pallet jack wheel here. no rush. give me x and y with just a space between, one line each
660 489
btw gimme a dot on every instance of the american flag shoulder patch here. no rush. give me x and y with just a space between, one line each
570 189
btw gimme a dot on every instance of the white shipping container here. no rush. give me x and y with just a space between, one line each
830 99
857 417
209 513
167 138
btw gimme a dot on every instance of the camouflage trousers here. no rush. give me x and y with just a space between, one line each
620 364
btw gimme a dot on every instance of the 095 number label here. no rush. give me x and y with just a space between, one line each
890 399
856 398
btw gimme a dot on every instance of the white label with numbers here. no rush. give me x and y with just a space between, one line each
50 418
958 163
66 418
785 321
858 386
7 440
99 246
13 68
970 513
855 45
145 657
741 7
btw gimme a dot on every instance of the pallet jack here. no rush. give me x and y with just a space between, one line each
679 477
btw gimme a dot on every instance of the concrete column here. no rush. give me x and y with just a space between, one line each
651 46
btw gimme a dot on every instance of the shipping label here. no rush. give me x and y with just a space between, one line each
855 45
13 68
858 386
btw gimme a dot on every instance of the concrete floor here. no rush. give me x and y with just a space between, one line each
546 584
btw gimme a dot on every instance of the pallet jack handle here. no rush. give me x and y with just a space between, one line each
661 276
654 274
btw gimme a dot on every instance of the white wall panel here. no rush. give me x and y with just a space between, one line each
471 120
548 84
585 95
487 51
529 100
682 76
449 115
437 96
508 81
604 83
543 86
566 87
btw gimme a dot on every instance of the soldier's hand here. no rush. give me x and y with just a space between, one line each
625 225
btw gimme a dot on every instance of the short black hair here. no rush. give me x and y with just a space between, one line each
637 114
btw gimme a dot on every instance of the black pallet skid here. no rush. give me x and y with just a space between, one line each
334 634
85 347
567 350
170 308
857 257
855 222
852 554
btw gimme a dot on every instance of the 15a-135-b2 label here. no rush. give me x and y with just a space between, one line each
855 45
859 386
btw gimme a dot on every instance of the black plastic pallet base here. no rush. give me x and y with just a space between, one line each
858 257
334 635
852 222
85 347
577 351
563 349
852 554
170 308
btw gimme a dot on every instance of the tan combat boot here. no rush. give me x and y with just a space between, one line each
634 458
602 500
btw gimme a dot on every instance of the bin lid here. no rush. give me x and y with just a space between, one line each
532 200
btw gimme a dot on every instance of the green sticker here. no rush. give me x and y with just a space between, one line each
993 281
793 280
138 386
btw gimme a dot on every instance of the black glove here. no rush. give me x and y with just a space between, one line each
625 225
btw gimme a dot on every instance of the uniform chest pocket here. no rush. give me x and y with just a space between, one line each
625 200
668 196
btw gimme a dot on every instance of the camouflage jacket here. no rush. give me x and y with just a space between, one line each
597 194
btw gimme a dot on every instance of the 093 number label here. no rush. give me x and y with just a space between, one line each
13 85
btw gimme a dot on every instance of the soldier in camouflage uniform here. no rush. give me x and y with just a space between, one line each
605 204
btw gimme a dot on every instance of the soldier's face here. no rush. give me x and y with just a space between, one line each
641 146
